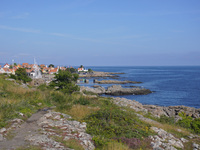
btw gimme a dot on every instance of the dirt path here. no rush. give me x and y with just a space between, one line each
27 128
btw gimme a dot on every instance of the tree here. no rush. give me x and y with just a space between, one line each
15 64
72 70
65 81
51 65
20 74
10 67
90 70
81 66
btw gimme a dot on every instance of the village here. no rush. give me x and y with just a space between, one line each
37 71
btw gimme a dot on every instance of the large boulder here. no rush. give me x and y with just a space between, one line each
97 90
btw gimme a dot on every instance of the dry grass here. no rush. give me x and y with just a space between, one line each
80 111
115 146
17 90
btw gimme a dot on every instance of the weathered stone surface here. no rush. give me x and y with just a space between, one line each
119 90
165 139
97 90
129 103
116 90
114 82
52 122
3 130
172 111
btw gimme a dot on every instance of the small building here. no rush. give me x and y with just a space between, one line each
53 71
6 65
82 69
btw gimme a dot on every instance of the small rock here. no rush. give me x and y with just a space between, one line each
194 145
57 117
39 104
184 140
3 130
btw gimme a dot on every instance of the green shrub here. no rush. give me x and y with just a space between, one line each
82 100
195 125
185 121
112 122
42 87
165 119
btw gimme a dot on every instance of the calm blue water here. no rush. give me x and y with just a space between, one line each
172 85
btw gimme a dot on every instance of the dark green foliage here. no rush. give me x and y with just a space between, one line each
195 125
189 122
51 65
72 70
65 81
20 74
185 121
82 100
165 119
113 122
90 70
42 87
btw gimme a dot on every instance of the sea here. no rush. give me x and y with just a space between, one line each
171 85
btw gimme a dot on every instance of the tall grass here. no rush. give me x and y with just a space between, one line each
81 111
113 145
15 99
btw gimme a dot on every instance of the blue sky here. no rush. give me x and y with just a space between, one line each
100 32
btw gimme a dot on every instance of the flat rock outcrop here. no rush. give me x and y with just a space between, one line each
157 111
98 74
116 90
97 90
115 82
173 111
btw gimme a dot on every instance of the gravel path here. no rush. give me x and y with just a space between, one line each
30 126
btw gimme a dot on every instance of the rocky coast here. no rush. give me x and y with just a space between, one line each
116 90
99 74
50 129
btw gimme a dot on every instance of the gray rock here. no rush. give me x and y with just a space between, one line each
1 137
117 90
3 130
194 145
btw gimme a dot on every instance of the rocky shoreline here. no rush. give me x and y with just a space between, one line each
157 111
116 90
115 82
99 74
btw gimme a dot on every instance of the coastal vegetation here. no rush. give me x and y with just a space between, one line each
111 126
20 74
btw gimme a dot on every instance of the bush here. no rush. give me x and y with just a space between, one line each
165 119
112 122
82 100
65 82
195 125
185 121
20 74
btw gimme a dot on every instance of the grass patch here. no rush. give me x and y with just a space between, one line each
112 122
71 143
31 147
113 145
79 112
